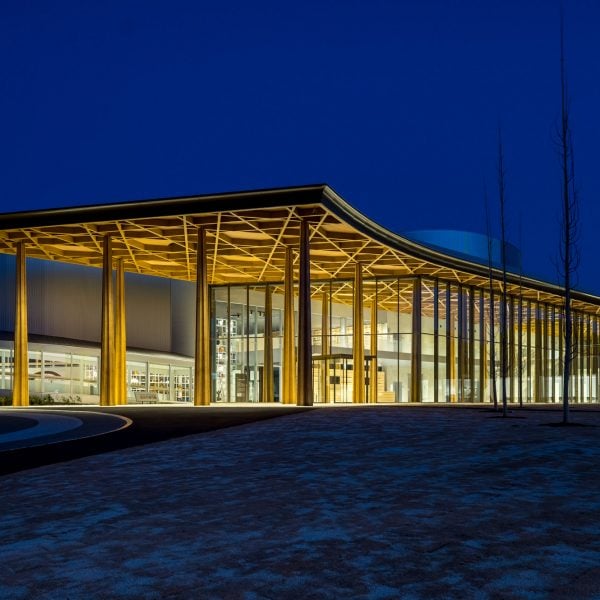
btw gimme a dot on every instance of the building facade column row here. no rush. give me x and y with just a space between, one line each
297 374
534 339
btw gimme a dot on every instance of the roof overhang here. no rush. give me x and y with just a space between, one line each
247 234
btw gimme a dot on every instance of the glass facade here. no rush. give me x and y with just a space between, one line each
426 340
452 335
239 321
66 377
425 327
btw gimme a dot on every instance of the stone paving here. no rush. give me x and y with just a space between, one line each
373 502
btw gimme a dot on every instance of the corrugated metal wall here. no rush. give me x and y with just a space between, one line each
7 292
65 301
148 306
183 317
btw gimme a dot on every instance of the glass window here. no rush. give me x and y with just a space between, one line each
159 381
136 378
57 375
182 377
84 371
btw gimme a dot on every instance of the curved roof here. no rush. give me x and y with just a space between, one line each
247 233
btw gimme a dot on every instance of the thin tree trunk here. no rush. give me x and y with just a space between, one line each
520 319
503 315
494 392
569 224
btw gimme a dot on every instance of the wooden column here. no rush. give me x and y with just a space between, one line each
358 339
520 351
415 371
471 337
305 387
581 356
325 345
596 363
289 339
373 365
553 353
436 341
460 330
482 372
529 395
449 347
453 378
537 382
108 326
573 379
120 366
493 354
588 358
202 373
511 348
20 391
267 377
544 382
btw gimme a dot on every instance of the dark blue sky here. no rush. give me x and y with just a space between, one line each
395 104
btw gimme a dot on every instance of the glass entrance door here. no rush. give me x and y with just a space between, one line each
333 378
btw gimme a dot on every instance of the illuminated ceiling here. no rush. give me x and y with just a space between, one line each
247 234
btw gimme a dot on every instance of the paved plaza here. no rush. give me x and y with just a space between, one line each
102 429
355 502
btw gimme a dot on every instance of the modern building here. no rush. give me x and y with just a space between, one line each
286 295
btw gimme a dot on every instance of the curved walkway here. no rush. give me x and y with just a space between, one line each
145 425
26 428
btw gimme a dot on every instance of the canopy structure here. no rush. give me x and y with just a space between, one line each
246 237
250 238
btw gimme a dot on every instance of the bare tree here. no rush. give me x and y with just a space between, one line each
503 306
569 250
494 391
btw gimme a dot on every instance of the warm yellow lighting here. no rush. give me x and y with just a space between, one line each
162 263
325 253
237 276
246 235
338 227
71 248
238 258
394 268
149 242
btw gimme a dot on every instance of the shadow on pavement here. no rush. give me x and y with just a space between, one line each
149 424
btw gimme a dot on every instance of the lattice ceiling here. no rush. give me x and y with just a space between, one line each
248 246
